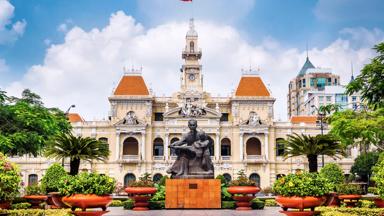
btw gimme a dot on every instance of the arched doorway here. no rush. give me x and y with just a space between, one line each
158 147
225 147
174 139
33 179
129 177
131 146
157 177
256 178
253 146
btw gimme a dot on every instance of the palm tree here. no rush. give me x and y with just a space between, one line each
311 146
76 148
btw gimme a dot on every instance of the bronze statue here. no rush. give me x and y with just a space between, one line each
193 157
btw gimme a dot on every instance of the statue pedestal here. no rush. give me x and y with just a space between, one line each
193 193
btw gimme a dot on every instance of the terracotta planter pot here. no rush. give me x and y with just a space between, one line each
141 195
300 203
350 199
379 203
85 201
332 200
56 199
5 204
248 193
36 200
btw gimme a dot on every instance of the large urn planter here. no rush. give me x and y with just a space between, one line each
141 196
57 200
36 200
332 200
85 201
379 202
243 196
300 203
5 204
350 199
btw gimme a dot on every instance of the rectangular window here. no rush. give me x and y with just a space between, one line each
353 98
304 84
335 81
329 81
224 117
299 83
159 116
312 81
320 83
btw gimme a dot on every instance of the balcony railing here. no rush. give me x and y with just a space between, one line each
158 157
225 158
256 158
130 159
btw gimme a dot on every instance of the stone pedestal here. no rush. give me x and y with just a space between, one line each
192 193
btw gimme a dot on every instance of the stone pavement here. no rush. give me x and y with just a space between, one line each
268 211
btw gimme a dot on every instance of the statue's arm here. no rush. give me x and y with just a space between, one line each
204 144
179 143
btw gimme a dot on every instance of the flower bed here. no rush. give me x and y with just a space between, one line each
350 211
38 212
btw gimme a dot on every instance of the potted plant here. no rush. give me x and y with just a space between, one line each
349 194
50 183
378 177
141 191
335 175
243 190
10 182
87 190
301 191
35 195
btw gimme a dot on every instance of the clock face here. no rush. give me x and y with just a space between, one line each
192 77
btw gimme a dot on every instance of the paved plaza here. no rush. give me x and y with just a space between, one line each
268 211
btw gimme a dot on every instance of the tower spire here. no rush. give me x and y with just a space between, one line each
352 77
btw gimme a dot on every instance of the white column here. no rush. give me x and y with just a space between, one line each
166 149
241 147
117 147
266 145
217 146
143 146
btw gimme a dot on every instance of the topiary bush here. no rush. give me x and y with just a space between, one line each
34 189
348 189
257 204
10 179
228 204
242 180
128 204
333 173
51 180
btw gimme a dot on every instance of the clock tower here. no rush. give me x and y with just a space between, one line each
191 78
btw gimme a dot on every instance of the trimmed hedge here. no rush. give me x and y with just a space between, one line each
128 204
39 212
270 202
228 204
23 205
116 203
350 211
257 204
155 205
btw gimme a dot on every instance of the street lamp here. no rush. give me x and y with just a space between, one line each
321 116
69 108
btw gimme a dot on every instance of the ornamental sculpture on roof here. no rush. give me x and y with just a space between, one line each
130 119
254 119
190 109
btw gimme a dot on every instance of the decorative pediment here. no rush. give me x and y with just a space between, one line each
180 112
130 120
253 120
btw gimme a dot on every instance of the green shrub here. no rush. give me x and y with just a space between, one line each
257 204
39 212
366 204
350 211
51 180
23 205
144 181
372 190
156 205
337 214
378 177
302 184
270 202
333 173
222 179
116 203
228 204
242 180
160 193
128 204
87 183
34 189
10 179
348 189
162 180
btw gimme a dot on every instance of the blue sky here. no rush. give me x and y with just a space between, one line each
275 26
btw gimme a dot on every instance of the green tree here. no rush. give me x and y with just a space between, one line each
25 124
363 165
333 173
370 82
76 149
311 147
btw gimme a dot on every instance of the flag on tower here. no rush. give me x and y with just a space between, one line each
186 0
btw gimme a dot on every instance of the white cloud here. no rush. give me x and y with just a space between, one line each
62 27
9 32
84 69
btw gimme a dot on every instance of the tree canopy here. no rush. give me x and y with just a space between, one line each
26 125
364 163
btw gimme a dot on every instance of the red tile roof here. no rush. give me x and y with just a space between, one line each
252 86
131 85
74 117
304 119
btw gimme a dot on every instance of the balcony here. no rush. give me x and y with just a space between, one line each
157 158
225 158
255 159
130 159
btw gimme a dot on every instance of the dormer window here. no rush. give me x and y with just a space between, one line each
192 46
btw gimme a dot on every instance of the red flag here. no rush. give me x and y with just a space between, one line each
186 0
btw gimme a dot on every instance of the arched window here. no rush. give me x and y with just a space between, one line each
104 139
211 146
158 147
278 176
256 178
157 177
174 139
253 146
129 177
130 146
225 147
227 177
32 179
192 46
279 147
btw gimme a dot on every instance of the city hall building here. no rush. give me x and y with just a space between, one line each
241 129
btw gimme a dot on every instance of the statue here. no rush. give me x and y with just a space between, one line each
130 118
254 119
193 157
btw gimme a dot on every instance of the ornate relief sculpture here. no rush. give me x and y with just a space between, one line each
130 119
190 109
254 119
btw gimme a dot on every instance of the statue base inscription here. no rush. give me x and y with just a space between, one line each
192 193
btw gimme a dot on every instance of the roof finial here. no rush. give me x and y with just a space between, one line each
191 24
307 49
352 77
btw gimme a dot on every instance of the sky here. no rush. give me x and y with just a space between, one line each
74 51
